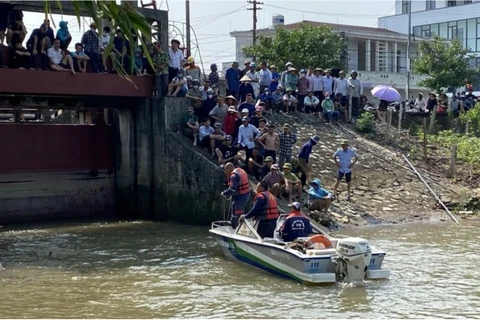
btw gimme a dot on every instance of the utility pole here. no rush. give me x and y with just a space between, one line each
254 30
407 86
187 14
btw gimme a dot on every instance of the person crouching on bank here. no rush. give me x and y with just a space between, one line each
239 189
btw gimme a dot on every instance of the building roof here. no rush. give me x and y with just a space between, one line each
334 26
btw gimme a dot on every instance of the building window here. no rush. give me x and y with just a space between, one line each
468 2
405 5
451 3
430 4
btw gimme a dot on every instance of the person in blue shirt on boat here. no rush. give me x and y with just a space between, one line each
319 199
296 225
343 159
304 156
264 210
239 189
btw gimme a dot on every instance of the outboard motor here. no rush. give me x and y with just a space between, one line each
352 259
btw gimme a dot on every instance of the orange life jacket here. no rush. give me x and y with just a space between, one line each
270 211
243 184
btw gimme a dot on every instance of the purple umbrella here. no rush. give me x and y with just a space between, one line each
386 93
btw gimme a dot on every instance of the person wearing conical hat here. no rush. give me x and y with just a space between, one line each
291 80
345 158
245 88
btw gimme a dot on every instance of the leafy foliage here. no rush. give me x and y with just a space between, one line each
308 46
366 122
468 146
446 64
472 118
125 17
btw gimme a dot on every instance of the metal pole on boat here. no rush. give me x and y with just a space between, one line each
430 189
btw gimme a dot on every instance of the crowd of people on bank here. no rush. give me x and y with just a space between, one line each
458 103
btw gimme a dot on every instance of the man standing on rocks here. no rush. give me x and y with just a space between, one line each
343 159
304 156
287 141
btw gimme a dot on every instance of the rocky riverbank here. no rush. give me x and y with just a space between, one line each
385 189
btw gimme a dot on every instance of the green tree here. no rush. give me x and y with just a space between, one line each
446 64
124 17
307 46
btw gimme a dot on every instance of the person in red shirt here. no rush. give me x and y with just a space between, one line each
230 121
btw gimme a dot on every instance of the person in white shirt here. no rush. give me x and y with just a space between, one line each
247 135
104 41
310 76
318 84
341 88
289 100
255 77
176 59
420 104
356 90
328 81
311 103
58 60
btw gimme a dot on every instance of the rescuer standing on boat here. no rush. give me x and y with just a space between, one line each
239 189
265 210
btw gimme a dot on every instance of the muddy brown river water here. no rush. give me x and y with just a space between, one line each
162 270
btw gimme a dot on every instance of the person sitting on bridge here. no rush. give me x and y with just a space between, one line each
264 210
178 86
296 225
239 189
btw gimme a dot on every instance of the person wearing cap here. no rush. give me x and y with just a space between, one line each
120 50
277 96
36 46
292 185
255 119
275 180
192 69
296 225
191 125
232 80
247 136
275 78
345 158
178 86
270 142
340 86
318 85
311 103
303 85
329 112
254 78
238 189
176 59
267 98
266 168
265 77
219 112
160 64
289 101
245 89
319 199
246 69
64 35
287 141
226 152
304 155
264 210
248 104
328 81
288 65
356 89
231 122
256 163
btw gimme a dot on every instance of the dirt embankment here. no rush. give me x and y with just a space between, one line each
385 189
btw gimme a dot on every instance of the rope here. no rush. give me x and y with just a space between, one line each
227 216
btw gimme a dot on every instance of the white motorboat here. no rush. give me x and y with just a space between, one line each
314 260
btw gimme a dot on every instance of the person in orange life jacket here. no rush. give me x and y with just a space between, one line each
296 225
264 210
239 189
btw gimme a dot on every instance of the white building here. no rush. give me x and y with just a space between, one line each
378 55
447 19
